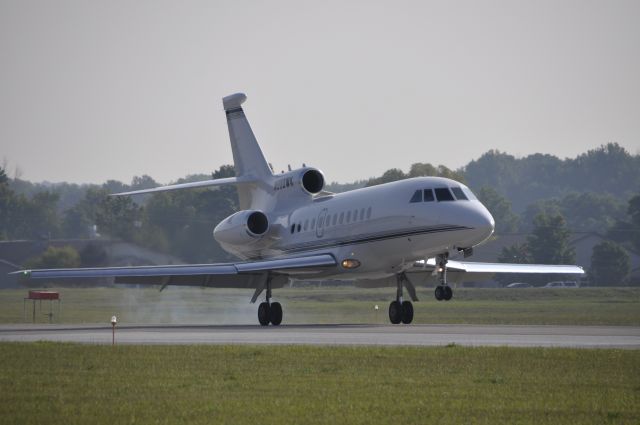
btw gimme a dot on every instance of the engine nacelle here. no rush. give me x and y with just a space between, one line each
242 228
311 180
307 180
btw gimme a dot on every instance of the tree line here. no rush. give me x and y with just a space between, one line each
594 192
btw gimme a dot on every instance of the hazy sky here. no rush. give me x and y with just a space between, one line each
97 90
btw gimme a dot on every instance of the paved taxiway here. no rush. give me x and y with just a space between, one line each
416 335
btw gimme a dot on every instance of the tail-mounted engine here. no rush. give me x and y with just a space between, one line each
309 180
242 228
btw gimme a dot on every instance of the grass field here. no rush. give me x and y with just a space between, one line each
584 306
68 383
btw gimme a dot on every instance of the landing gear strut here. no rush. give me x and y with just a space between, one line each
443 290
400 310
269 312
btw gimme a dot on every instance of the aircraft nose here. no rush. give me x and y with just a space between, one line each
484 222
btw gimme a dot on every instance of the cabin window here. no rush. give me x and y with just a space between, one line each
460 196
428 195
417 197
299 227
293 228
443 194
368 213
355 215
341 217
335 219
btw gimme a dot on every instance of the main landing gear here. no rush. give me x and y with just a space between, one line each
400 310
443 290
268 312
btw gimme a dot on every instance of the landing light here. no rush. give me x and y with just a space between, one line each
350 263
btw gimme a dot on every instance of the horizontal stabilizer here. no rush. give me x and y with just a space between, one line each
205 183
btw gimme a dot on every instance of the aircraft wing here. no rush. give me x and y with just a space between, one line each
471 267
460 271
225 275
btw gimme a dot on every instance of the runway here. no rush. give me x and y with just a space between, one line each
412 335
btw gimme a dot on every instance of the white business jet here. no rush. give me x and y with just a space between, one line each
290 229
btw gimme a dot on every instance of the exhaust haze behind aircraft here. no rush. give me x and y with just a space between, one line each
289 228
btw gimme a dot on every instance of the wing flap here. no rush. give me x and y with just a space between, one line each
238 281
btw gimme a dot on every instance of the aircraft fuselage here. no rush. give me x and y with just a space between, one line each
377 228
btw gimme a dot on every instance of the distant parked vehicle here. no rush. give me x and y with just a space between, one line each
519 285
562 284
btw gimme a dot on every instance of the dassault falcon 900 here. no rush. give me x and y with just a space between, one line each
290 229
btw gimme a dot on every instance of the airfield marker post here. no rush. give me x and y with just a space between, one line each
113 330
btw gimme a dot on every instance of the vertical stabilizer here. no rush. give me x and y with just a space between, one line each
247 155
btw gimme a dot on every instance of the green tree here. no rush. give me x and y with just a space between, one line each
185 220
392 175
549 241
417 170
55 258
634 212
519 254
609 264
93 255
7 201
76 223
118 217
41 215
628 231
420 169
143 182
500 209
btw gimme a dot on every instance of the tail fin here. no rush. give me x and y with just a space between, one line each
253 174
247 156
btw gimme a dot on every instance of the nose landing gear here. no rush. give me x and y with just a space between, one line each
400 310
443 290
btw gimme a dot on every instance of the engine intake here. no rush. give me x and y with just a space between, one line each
258 223
312 181
242 228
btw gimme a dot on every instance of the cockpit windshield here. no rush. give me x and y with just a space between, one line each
443 194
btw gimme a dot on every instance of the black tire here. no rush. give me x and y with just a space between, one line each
275 314
395 312
439 293
448 293
407 312
263 314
